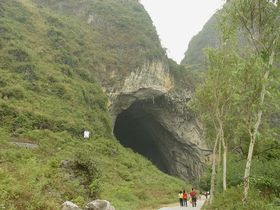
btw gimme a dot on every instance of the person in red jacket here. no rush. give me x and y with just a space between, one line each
185 197
193 197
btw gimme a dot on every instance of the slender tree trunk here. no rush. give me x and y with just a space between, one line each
253 136
218 162
222 143
248 167
213 175
224 161
219 156
253 133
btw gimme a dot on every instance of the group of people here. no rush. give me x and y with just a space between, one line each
183 198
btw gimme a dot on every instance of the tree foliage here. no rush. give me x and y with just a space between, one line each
250 78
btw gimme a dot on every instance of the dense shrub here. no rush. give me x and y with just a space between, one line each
15 92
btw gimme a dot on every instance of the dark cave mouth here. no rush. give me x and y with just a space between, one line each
138 129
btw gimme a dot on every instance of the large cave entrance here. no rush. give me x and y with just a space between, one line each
138 129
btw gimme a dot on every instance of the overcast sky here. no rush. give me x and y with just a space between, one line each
177 21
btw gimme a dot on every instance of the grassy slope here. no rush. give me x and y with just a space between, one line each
48 95
124 29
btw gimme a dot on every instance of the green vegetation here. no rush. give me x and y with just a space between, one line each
66 168
184 76
264 185
51 63
207 37
124 29
238 103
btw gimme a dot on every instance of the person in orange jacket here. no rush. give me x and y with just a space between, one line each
185 197
193 197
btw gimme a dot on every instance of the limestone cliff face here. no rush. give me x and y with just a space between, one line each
186 149
152 75
167 132
149 81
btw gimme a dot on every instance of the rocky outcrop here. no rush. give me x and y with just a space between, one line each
68 205
149 81
99 205
94 205
153 75
186 151
152 117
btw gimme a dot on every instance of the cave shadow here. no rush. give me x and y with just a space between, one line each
138 128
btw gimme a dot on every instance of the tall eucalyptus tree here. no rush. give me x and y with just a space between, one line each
214 102
258 21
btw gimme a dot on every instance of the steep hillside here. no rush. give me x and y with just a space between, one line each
52 66
207 37
122 29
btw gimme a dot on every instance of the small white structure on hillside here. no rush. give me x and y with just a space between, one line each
86 134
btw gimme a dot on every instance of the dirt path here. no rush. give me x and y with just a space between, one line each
189 207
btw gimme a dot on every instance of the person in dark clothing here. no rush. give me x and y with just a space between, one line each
206 195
